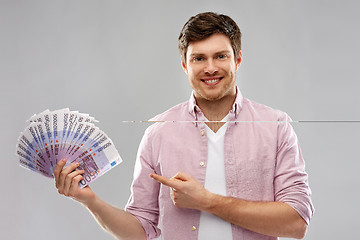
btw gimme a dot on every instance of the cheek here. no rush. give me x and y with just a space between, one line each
192 73
195 69
230 68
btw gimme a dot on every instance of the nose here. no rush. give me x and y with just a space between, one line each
210 67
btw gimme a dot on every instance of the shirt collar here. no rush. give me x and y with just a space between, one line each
234 112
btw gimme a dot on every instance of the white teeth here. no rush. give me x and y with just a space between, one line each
212 81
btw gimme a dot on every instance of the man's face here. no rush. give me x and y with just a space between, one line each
211 67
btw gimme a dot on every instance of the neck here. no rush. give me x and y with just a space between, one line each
216 110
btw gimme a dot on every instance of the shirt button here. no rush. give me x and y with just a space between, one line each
193 228
202 133
202 164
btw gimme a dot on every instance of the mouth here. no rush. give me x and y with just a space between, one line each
212 81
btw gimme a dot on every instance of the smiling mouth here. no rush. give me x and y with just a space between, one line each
212 81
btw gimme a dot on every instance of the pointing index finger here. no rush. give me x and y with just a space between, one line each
166 181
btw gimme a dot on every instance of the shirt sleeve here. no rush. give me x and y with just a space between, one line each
143 201
291 180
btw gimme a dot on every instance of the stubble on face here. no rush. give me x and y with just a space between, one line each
228 89
211 68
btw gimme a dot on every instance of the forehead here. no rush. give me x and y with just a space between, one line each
217 42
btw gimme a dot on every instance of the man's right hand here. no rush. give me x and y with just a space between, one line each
67 182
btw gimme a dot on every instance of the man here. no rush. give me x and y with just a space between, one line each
223 167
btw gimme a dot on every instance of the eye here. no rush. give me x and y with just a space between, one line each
222 56
197 59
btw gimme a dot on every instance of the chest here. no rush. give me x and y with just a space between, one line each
249 152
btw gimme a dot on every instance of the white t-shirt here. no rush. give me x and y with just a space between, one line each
211 226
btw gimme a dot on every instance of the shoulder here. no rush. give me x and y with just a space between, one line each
174 113
162 121
263 112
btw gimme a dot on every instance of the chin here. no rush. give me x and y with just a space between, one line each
212 97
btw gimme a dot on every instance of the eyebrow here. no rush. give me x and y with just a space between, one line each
217 53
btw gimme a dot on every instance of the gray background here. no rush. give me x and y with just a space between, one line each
118 60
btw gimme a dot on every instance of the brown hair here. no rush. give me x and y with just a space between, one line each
203 25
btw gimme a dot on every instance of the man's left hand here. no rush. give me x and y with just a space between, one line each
185 191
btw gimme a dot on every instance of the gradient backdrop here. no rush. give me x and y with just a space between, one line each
118 60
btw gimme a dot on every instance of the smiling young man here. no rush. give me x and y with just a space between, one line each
223 167
211 66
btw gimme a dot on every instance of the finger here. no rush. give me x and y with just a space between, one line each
166 181
172 195
57 170
65 172
183 176
75 184
160 179
69 179
173 192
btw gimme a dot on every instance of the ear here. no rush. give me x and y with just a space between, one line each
238 60
183 64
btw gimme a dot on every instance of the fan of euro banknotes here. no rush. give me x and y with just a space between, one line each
54 135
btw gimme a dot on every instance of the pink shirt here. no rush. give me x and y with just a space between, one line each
262 160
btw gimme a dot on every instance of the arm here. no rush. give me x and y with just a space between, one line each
268 218
116 221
